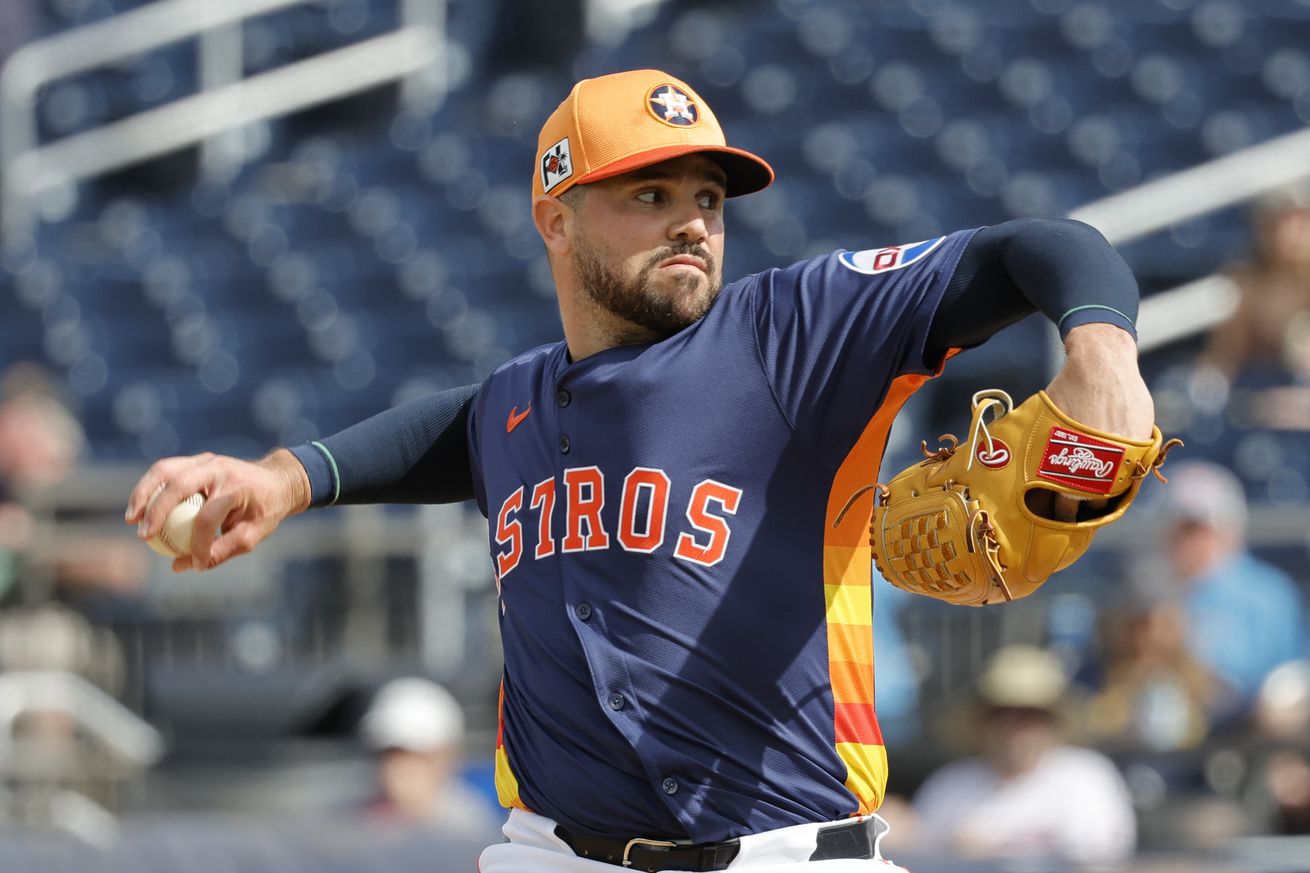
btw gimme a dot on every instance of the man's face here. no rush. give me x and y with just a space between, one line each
1015 737
1194 547
648 245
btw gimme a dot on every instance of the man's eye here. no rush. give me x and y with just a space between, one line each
649 197
709 201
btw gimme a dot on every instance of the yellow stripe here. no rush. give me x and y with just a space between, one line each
849 604
507 787
866 773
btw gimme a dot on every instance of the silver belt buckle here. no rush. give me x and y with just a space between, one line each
641 841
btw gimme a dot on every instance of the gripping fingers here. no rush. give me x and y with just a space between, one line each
168 482
237 540
159 473
243 504
207 528
1066 506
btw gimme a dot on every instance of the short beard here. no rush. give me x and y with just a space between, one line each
638 301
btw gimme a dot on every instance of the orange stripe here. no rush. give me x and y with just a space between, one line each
847 561
851 683
862 462
857 723
500 716
850 643
841 563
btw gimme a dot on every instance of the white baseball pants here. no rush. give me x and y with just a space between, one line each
533 846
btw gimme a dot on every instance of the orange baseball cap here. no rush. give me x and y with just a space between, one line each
624 121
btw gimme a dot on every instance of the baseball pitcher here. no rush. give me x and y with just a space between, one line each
683 499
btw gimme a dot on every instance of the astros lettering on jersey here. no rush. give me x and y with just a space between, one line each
687 630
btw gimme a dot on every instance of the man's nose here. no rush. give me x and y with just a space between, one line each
690 226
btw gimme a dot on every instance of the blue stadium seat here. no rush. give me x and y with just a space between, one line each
885 123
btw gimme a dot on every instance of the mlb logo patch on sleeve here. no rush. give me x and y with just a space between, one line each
556 165
1080 461
874 261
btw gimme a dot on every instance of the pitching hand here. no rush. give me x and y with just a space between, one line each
244 500
1101 386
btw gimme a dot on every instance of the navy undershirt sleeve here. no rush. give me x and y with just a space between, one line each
1062 267
415 453
418 452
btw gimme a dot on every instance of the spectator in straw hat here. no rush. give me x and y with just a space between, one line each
1028 795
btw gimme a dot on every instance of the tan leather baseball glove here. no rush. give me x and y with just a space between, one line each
971 524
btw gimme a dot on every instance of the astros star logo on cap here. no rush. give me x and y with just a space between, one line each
621 122
672 105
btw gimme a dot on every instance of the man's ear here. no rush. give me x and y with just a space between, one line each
554 221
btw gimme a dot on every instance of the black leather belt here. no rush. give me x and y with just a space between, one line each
855 839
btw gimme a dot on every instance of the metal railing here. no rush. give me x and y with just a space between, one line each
1187 194
98 714
225 102
51 776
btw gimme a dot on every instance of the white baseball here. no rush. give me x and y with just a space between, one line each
174 538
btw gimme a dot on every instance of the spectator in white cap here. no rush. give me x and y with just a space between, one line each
416 727
1244 616
1028 796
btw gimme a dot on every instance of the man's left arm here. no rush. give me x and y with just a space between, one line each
1088 440
1067 270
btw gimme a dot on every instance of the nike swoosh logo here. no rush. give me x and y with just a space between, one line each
516 417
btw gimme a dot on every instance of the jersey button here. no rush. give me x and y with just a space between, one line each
582 611
670 785
564 444
563 398
617 702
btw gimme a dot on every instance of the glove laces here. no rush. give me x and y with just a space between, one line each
986 399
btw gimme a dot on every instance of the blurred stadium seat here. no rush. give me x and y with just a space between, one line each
925 129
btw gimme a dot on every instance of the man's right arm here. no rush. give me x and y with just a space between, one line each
415 453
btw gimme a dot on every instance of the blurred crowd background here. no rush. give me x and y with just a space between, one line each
230 226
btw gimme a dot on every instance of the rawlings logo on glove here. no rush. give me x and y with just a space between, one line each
973 527
1081 462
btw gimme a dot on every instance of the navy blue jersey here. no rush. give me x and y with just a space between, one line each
687 634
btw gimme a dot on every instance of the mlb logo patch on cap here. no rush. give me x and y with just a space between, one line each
556 164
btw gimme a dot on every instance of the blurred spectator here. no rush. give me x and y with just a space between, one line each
1281 789
1153 692
1244 616
41 442
40 439
416 728
1270 331
1029 796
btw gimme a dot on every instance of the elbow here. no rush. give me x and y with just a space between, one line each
1040 247
1045 234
